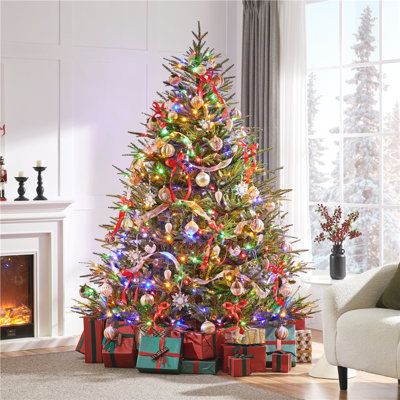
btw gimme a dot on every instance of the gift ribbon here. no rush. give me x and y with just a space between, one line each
235 310
253 152
171 163
160 310
161 360
121 216
244 358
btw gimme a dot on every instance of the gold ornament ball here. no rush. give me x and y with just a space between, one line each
127 223
270 206
191 227
218 80
197 102
167 150
257 225
252 192
106 289
201 70
172 115
164 194
216 143
202 179
281 332
237 288
110 333
207 327
147 299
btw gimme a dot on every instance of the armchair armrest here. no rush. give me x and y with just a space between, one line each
361 291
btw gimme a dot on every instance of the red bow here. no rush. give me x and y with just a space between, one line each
160 310
253 152
160 112
206 79
171 163
235 310
121 216
277 271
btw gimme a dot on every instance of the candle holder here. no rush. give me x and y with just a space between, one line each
40 188
21 189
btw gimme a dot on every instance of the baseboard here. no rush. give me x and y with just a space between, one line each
37 343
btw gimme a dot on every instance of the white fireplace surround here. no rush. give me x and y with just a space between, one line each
37 227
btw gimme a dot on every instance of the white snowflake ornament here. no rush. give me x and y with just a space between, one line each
149 199
179 300
133 256
241 188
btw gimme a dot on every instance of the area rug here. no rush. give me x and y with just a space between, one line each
64 376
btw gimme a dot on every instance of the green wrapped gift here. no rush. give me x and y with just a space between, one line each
206 367
159 354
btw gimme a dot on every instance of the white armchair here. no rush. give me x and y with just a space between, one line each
356 333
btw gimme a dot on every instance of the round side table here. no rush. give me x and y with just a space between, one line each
318 284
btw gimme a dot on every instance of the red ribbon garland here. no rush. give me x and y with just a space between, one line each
160 310
171 163
121 216
216 229
130 275
235 310
277 271
253 152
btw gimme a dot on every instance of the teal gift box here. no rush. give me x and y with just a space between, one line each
287 346
206 367
159 354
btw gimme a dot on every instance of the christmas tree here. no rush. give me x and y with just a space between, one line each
199 241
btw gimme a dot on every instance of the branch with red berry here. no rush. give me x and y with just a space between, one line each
333 229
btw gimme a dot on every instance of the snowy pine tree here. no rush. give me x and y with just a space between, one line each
392 119
361 113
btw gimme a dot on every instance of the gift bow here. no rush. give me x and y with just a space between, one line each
130 275
253 152
121 216
159 112
235 310
277 271
216 228
171 163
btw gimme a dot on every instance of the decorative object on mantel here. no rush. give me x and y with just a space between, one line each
3 179
21 179
336 231
40 189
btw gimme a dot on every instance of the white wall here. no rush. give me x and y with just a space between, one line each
75 77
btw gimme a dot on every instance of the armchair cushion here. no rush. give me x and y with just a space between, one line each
368 340
391 296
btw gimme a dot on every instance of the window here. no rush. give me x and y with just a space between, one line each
353 106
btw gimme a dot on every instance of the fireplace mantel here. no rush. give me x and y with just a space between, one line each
37 228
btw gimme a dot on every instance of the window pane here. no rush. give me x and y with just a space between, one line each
324 169
360 100
361 170
391 170
320 251
363 252
391 236
391 97
390 29
322 33
323 108
360 31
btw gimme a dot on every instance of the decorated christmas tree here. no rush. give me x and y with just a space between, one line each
198 241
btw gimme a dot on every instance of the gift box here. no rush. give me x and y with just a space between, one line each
239 365
93 331
80 347
122 351
303 346
288 345
198 345
206 367
249 336
258 351
300 324
159 354
281 361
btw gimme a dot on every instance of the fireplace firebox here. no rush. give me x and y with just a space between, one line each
16 296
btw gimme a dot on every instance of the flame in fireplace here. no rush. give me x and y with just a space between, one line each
21 315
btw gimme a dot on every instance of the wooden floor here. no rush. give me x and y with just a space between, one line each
298 383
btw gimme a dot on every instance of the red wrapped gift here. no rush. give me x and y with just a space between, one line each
258 362
200 346
281 361
121 352
300 324
80 346
239 365
93 331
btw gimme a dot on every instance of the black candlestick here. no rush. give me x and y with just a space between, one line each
40 188
21 189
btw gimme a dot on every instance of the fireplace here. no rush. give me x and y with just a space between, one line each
16 296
